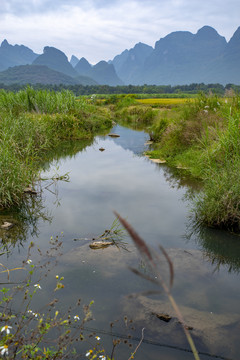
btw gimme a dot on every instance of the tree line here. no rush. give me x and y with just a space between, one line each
77 89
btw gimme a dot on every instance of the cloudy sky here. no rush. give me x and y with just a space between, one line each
101 29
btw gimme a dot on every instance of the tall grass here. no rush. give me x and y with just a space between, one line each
34 122
204 137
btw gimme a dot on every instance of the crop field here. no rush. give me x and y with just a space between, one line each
165 102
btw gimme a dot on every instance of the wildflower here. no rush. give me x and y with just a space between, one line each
102 357
37 286
98 338
29 261
76 317
32 313
4 350
89 353
6 328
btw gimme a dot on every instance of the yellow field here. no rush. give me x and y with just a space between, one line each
164 102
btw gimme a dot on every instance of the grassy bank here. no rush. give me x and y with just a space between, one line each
33 123
202 137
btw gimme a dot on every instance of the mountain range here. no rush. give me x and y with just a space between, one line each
179 58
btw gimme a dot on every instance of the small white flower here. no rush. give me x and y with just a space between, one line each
102 357
76 317
98 338
32 313
29 261
37 286
6 328
4 350
88 353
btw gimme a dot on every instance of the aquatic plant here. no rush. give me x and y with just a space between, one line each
115 235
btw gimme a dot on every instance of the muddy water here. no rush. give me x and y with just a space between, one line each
151 197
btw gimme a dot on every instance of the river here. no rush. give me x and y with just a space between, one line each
152 197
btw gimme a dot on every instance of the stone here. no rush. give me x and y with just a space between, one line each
114 135
209 330
158 161
100 244
29 190
7 225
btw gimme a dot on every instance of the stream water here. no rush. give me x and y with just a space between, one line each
152 199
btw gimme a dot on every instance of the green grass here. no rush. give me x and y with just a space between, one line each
33 123
204 137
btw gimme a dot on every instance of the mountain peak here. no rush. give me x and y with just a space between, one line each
83 66
4 43
207 33
49 50
74 60
55 59
235 39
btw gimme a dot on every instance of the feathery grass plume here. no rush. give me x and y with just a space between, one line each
152 260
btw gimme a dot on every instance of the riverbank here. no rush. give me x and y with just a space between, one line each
199 136
33 123
202 137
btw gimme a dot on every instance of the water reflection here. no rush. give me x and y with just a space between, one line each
220 247
134 141
25 220
33 211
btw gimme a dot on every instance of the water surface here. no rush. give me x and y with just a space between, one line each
151 197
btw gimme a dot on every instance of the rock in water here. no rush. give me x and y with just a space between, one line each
114 135
100 244
7 225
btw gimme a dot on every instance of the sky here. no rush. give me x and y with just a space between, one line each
101 29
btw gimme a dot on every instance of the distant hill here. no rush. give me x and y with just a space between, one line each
183 58
15 55
225 68
39 74
102 72
129 63
180 58
55 60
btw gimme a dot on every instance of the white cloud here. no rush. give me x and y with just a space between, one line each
102 29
